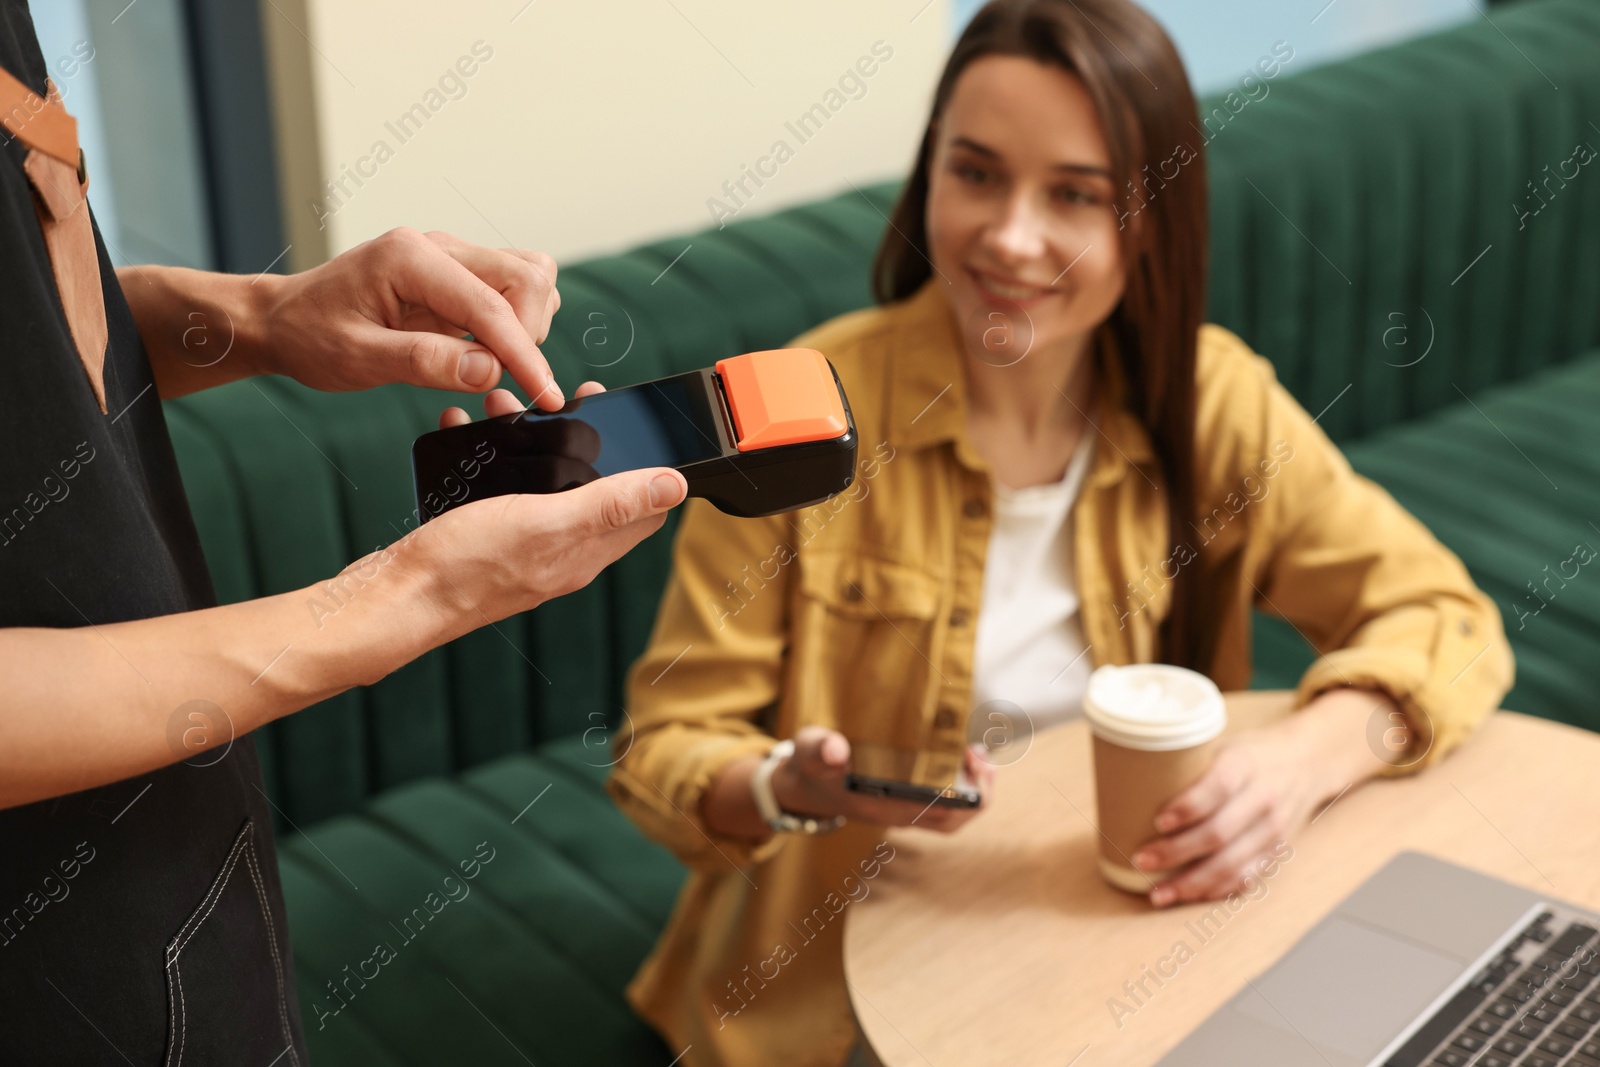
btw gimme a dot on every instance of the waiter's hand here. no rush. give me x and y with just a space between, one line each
471 566
492 558
505 402
398 309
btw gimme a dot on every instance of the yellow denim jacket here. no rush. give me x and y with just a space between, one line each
860 615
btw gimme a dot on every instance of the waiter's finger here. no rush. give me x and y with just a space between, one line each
424 273
498 402
527 279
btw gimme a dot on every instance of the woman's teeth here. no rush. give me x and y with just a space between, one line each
1011 291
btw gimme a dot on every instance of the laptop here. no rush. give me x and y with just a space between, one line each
1427 964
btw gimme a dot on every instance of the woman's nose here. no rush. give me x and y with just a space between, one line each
1018 234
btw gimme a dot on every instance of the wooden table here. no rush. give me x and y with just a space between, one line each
1000 944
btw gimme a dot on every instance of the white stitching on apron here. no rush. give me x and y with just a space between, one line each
272 942
244 841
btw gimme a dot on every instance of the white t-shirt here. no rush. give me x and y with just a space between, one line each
1030 649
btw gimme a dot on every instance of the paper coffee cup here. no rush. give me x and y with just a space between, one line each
1154 730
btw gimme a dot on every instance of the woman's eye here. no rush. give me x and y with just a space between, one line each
968 172
1072 195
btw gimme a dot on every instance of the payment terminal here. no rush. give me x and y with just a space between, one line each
757 434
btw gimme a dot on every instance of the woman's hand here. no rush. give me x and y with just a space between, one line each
811 782
397 309
1261 789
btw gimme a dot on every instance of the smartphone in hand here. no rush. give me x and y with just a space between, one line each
936 778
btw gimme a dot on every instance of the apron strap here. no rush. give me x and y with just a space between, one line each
40 122
56 172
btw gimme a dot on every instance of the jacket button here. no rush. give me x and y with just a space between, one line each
973 509
959 617
945 719
851 591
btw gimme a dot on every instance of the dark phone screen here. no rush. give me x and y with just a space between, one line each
667 423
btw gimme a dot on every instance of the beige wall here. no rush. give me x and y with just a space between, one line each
585 126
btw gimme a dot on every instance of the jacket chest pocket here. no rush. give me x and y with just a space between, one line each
866 642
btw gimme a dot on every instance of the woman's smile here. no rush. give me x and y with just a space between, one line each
1006 291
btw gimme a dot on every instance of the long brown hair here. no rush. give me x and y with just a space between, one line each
1147 111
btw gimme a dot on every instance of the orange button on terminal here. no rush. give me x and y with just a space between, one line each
786 396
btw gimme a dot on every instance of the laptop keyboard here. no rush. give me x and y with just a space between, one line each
1536 1004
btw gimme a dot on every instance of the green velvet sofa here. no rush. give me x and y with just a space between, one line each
1369 237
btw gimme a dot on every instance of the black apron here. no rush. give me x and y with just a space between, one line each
141 921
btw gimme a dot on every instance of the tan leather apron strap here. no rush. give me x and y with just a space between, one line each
55 170
40 122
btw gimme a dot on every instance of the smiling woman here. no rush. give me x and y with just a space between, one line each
1050 181
1070 439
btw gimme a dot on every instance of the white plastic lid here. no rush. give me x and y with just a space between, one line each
1154 706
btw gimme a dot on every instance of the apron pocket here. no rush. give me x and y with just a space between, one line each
225 996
